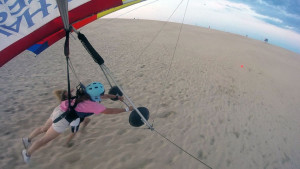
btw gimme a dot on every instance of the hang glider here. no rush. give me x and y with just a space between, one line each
36 25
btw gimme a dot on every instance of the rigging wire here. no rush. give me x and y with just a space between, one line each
73 70
113 19
167 21
156 35
167 75
166 79
107 79
177 39
182 149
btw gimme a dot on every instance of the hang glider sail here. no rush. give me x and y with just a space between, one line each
36 25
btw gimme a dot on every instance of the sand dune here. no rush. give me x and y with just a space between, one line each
200 97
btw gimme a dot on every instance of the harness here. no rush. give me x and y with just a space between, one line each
71 114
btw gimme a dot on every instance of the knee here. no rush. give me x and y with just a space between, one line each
86 121
44 129
40 129
43 141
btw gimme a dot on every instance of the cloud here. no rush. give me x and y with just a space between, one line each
277 20
262 2
289 27
294 16
283 8
238 8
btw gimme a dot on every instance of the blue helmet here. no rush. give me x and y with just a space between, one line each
95 90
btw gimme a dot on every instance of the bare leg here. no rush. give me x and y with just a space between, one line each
69 139
50 135
40 130
71 136
86 122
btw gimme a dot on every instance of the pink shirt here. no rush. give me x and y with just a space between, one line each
84 108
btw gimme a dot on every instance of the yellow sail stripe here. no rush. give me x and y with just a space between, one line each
101 14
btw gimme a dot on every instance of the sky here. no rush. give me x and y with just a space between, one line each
276 20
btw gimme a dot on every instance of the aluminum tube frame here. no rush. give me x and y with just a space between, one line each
131 103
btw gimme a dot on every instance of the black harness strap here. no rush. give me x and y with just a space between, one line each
69 115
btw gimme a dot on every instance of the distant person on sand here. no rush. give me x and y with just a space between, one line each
266 40
84 105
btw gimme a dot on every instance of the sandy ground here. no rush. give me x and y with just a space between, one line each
199 96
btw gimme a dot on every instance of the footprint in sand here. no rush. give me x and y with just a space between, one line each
212 141
70 144
140 75
228 162
237 134
71 158
135 140
166 114
285 159
122 131
200 154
